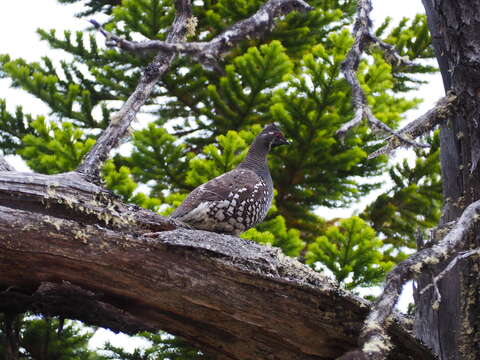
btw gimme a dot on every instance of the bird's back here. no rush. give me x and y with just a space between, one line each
230 203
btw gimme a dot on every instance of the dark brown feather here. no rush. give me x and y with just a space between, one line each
239 199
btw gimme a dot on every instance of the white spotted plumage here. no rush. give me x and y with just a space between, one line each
237 200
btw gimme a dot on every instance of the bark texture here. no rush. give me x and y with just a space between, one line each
120 122
363 37
69 248
453 331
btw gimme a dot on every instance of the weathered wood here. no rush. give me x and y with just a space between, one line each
427 122
363 37
453 330
69 248
120 121
69 196
4 165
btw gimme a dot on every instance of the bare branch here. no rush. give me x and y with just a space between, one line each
140 47
374 342
208 52
120 122
425 123
4 165
364 37
391 54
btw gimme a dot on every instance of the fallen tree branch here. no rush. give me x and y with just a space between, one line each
70 248
70 196
362 38
375 343
422 125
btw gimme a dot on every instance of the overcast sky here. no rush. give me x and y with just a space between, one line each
20 18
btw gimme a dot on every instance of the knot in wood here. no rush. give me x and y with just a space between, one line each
151 71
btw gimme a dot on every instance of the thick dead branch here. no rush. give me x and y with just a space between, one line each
69 248
69 196
363 37
209 52
422 125
375 343
120 122
4 165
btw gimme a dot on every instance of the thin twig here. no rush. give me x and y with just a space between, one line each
392 55
425 123
374 341
363 37
255 25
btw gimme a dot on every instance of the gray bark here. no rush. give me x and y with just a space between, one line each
453 330
69 248
4 165
120 122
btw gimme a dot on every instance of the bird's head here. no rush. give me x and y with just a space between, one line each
272 136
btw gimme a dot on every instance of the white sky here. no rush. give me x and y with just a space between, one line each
20 18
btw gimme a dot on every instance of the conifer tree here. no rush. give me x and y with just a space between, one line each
411 205
163 347
350 250
201 121
33 338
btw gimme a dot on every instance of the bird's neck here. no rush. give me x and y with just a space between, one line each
256 159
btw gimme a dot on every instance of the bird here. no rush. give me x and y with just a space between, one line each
238 199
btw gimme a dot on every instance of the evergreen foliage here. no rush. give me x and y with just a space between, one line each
163 347
44 339
352 252
412 204
54 148
202 122
94 6
13 128
411 40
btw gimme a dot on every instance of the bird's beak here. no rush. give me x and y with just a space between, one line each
281 141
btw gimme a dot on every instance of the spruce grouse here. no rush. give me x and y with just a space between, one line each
239 199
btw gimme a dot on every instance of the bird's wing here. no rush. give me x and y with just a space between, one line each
218 189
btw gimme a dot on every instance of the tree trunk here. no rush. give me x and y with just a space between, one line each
68 248
453 330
